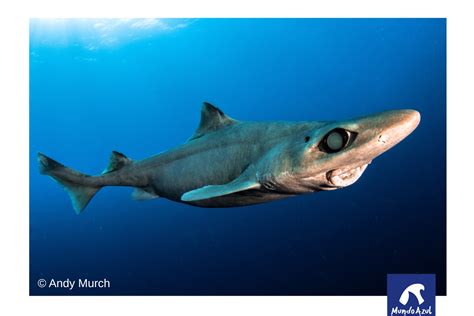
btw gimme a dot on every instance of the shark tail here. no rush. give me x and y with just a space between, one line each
77 184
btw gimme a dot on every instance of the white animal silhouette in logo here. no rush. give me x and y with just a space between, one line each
415 289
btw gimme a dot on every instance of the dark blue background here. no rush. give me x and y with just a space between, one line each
141 95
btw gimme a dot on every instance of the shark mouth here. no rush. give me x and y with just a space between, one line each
345 177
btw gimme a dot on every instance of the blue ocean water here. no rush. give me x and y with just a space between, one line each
136 86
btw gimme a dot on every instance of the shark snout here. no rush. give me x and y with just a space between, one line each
380 132
394 126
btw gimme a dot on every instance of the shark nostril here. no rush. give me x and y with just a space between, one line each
383 138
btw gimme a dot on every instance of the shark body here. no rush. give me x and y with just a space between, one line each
230 163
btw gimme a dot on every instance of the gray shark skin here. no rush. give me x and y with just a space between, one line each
229 163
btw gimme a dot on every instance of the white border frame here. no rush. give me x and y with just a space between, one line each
14 126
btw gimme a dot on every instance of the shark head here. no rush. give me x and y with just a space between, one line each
337 153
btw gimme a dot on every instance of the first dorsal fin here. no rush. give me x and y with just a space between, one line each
117 161
212 118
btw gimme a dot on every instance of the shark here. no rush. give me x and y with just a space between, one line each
230 163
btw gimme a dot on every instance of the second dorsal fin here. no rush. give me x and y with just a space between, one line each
117 161
212 118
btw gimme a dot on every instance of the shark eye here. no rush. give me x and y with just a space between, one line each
335 140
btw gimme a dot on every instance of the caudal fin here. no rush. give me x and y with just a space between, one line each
74 182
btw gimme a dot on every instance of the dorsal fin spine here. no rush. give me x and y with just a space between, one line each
117 161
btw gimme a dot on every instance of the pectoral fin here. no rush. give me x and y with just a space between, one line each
212 191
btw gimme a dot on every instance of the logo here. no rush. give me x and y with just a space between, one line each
411 294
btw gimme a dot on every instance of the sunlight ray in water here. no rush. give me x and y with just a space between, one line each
93 34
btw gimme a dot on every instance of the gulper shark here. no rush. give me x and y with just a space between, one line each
229 163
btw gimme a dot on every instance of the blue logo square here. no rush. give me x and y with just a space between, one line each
411 294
